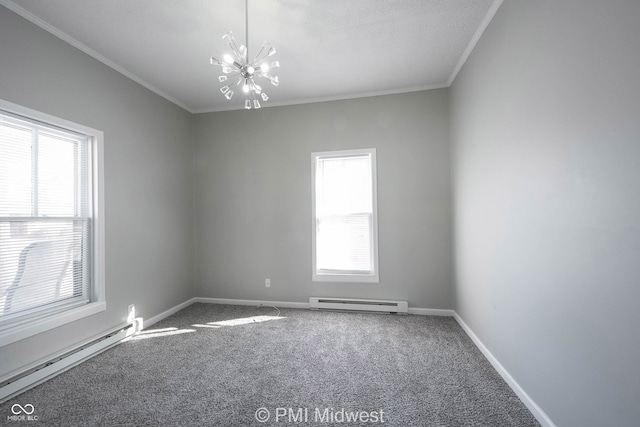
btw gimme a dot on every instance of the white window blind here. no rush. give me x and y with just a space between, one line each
345 223
45 219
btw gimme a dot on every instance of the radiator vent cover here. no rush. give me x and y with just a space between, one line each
347 304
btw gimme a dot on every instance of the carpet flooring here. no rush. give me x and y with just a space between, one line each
221 365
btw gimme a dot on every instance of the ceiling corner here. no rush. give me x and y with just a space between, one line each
474 40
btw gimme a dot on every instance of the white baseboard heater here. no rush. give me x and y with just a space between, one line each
57 364
319 303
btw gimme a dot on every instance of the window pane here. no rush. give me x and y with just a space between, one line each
57 176
344 244
15 170
41 262
344 185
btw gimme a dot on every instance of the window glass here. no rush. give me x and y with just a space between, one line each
345 223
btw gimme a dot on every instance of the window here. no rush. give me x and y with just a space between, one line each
50 225
345 225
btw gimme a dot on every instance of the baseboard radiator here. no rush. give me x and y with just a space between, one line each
58 363
318 303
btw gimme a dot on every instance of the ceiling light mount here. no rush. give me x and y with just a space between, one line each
238 70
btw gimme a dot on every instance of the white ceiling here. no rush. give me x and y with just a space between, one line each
328 49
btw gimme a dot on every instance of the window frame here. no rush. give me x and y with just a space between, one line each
353 277
41 322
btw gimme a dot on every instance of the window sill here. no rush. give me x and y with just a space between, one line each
19 332
348 278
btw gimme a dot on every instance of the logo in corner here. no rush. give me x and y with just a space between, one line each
22 413
18 409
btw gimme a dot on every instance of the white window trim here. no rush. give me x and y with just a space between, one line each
20 330
350 278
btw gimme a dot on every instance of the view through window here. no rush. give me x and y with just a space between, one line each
345 216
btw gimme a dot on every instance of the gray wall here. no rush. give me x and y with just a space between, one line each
253 197
546 131
148 177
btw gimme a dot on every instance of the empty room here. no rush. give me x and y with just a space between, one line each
362 212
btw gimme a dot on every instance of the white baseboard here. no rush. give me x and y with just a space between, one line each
305 305
173 310
537 412
430 312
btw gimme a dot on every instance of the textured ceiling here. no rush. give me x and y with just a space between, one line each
328 49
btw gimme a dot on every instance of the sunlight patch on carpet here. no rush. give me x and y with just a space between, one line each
155 333
245 320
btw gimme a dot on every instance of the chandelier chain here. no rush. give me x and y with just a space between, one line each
246 26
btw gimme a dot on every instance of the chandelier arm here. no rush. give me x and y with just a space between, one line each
234 47
230 76
261 56
258 58
238 55
264 76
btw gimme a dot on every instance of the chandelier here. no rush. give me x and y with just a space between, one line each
239 72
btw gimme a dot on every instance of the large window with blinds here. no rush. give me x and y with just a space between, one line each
344 204
49 234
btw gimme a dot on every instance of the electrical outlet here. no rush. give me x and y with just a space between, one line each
267 283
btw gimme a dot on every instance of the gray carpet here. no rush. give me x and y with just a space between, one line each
326 366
